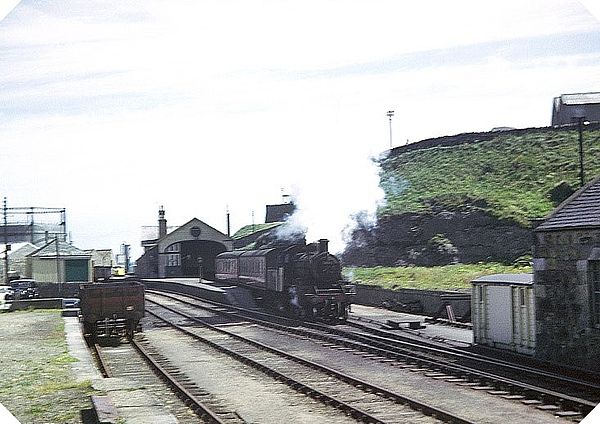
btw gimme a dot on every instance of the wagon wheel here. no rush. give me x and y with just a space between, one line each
130 329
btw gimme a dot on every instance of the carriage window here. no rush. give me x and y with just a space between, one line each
595 292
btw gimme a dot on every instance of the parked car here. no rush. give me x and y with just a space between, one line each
7 293
25 289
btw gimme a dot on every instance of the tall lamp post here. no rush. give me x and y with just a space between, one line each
580 123
389 114
6 245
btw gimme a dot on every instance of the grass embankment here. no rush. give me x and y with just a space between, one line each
449 277
36 383
509 176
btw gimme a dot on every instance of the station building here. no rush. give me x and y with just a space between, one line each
183 252
567 281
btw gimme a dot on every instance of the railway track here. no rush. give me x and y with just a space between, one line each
566 397
358 398
138 361
579 383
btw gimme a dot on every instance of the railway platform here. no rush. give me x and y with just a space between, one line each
124 401
455 336
207 289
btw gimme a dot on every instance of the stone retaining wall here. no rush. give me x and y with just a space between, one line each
430 301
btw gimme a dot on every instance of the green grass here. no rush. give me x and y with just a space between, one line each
36 380
449 277
510 176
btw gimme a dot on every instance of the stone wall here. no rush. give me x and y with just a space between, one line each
438 238
430 301
563 319
48 290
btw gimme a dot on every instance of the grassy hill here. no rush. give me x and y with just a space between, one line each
470 198
508 174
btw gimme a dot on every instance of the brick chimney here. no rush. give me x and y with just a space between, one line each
162 223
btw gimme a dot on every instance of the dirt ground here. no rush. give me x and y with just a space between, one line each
36 381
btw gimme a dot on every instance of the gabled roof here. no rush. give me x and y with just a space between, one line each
64 249
20 250
101 257
193 229
247 230
581 210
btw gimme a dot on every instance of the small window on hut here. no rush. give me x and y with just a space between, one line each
595 292
522 297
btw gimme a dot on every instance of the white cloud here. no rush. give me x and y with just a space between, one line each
114 108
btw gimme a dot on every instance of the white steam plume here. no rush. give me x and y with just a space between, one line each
325 205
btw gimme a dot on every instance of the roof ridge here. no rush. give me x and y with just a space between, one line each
577 201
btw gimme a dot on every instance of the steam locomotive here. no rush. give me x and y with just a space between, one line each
304 280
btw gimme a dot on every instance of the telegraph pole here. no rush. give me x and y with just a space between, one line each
389 114
6 245
581 170
228 221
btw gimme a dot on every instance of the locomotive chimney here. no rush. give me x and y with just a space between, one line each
323 245
162 223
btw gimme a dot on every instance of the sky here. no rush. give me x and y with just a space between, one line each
113 108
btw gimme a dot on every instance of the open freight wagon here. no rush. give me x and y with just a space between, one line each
111 309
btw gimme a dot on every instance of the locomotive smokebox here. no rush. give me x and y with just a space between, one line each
323 245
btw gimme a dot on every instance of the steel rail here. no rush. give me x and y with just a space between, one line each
384 349
197 406
457 353
411 344
363 385
102 362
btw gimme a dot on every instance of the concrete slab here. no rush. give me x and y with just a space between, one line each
459 337
84 368
106 412
131 401
143 415
123 399
116 383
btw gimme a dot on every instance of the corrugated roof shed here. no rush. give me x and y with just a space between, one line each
581 210
580 98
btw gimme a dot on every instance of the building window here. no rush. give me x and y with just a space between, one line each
173 248
173 260
480 293
595 292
